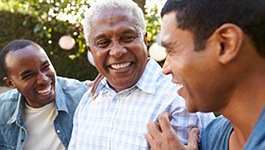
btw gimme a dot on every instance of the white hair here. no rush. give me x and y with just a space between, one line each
126 5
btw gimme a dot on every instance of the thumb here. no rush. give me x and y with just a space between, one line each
193 139
90 84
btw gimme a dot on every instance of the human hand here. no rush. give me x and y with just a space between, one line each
94 84
161 135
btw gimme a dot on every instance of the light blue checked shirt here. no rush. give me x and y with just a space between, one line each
119 121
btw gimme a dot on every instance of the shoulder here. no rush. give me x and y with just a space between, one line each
218 124
256 139
9 96
8 104
71 84
69 90
216 134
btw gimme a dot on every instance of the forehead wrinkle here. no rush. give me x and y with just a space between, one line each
111 17
117 33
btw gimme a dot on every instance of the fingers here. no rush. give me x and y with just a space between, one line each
95 84
154 129
90 84
154 135
150 139
157 128
164 122
168 131
161 134
193 139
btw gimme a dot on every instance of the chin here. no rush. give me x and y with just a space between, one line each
192 110
191 107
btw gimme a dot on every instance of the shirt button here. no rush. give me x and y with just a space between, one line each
104 91
22 140
58 131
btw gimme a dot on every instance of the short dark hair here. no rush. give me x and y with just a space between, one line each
12 46
203 17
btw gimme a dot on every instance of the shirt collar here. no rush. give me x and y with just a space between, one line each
150 76
60 99
18 114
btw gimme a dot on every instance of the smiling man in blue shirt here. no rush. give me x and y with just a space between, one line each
38 112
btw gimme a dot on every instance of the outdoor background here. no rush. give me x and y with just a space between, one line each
46 21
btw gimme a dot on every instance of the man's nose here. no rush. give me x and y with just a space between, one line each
166 66
42 78
117 50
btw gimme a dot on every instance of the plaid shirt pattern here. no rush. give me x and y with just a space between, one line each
118 121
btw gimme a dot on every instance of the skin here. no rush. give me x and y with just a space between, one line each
118 49
31 72
190 68
227 76
163 137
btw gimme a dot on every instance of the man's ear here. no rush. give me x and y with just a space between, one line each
9 82
88 48
145 39
230 38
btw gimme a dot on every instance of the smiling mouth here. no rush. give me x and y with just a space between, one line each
121 65
46 90
179 85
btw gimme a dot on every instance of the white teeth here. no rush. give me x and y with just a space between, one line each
179 85
120 66
46 90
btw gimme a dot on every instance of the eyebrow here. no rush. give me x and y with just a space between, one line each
99 37
24 72
45 62
130 31
121 33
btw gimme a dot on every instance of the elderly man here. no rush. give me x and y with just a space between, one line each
134 90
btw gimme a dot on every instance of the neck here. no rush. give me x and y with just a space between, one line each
245 106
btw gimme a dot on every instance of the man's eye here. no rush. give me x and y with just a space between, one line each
26 76
46 67
103 43
128 38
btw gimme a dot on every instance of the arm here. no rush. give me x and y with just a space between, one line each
95 84
161 135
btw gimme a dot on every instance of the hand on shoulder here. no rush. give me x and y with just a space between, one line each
161 135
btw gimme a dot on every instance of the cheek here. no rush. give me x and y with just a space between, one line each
200 79
180 67
25 88
98 57
194 74
139 49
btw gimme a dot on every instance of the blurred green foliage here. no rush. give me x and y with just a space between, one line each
45 21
